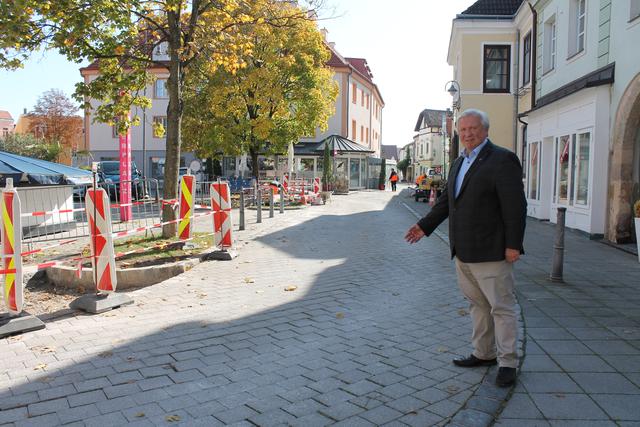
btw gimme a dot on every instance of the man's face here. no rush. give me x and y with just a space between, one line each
471 131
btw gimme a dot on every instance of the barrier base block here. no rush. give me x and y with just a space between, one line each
100 303
24 322
227 255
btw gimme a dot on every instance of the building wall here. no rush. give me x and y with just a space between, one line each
625 37
499 106
337 122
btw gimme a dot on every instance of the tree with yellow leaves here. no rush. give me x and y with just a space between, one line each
282 91
120 35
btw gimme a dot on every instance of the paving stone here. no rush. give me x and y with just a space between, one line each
620 407
544 382
11 415
42 420
381 415
239 413
311 420
47 407
567 406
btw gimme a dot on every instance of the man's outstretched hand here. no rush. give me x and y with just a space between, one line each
414 234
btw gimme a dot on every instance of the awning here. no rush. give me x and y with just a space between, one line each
27 170
336 143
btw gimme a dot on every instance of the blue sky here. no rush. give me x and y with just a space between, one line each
404 41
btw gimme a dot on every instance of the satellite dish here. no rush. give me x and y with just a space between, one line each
194 166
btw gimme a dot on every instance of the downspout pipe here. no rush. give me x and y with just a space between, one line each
516 96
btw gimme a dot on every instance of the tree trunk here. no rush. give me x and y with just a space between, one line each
174 125
255 166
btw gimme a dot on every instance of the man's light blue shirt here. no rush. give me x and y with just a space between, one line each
469 158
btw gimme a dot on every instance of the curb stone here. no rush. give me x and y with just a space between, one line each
487 401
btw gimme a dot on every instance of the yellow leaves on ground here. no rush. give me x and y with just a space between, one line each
290 288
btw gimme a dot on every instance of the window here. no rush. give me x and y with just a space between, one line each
634 9
577 26
581 175
562 169
353 129
161 52
368 136
534 167
496 68
572 169
159 120
361 133
362 98
526 59
160 89
354 93
368 101
549 58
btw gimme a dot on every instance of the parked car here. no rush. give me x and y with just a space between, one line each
109 174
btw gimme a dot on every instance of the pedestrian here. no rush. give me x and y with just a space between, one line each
486 206
393 178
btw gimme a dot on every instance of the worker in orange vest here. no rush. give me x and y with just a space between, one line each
393 178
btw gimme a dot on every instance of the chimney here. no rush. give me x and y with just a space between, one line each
325 33
24 111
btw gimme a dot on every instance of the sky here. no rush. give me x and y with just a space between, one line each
405 43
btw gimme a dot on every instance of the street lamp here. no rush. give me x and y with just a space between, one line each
454 91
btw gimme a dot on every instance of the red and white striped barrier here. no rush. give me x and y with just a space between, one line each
285 182
187 188
221 204
103 257
432 197
316 185
11 234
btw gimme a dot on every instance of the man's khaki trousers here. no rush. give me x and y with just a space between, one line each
489 287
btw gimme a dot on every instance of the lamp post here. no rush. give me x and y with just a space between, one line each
453 87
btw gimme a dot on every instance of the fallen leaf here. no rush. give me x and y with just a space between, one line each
80 289
453 388
46 379
139 415
40 367
290 288
559 396
442 349
105 354
463 312
172 418
340 315
131 358
44 349
248 280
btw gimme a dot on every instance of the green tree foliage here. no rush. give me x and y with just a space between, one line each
283 91
30 146
383 173
403 164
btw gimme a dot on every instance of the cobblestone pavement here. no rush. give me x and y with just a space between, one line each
582 364
364 335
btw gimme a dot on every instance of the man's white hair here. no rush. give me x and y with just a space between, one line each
484 118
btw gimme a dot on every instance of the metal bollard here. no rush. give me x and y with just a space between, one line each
270 203
259 206
558 248
281 200
241 210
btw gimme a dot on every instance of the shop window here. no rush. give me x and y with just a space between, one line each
583 151
533 171
571 180
497 60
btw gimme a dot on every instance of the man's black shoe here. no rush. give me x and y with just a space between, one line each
472 362
506 377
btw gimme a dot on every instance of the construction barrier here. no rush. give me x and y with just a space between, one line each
222 224
432 197
285 182
101 240
187 187
13 289
316 185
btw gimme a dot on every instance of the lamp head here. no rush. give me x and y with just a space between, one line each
452 90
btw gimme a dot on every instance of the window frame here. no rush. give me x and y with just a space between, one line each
573 170
155 89
576 36
526 59
485 48
550 54
634 10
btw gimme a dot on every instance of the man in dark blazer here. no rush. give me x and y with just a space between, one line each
486 207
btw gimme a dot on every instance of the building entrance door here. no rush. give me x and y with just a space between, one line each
354 173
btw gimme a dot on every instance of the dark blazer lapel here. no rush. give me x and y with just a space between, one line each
455 168
477 163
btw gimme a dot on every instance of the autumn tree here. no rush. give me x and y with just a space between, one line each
54 118
120 36
282 91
